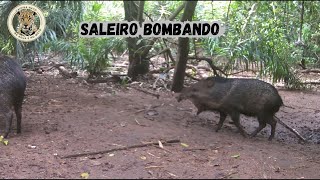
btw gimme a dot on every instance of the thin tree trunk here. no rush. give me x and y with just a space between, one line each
137 63
183 50
174 15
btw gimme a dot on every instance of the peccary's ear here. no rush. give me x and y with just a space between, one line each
34 13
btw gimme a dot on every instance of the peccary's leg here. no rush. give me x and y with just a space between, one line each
18 109
8 116
273 124
222 118
262 124
235 116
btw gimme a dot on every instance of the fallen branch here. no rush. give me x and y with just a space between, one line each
149 167
122 148
291 129
139 123
106 80
195 149
310 70
150 93
311 82
300 107
289 106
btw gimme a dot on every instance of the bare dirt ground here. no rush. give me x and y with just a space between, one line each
62 117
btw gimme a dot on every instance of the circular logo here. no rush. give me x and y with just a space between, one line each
31 22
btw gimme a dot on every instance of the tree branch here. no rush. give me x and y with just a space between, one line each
140 11
174 15
210 62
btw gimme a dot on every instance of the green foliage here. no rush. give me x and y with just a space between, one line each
262 35
91 54
59 15
161 10
293 82
95 53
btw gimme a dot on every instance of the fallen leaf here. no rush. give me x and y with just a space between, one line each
236 156
111 155
123 124
172 174
184 145
32 147
149 167
1 138
5 142
160 144
143 157
152 113
84 175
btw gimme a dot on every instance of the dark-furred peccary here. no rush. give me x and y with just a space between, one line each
12 88
235 96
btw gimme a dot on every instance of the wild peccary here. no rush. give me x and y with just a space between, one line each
12 88
235 96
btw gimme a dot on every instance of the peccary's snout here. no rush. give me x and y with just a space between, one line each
184 94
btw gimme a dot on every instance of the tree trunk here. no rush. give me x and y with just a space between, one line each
137 63
172 17
183 50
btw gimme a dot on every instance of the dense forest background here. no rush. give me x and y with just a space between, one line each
273 39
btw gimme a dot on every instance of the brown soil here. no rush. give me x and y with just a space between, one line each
62 117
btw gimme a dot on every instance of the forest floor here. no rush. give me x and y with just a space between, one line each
68 116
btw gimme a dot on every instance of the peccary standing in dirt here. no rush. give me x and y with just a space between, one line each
235 96
12 88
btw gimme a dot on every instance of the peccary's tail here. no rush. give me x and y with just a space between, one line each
291 129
